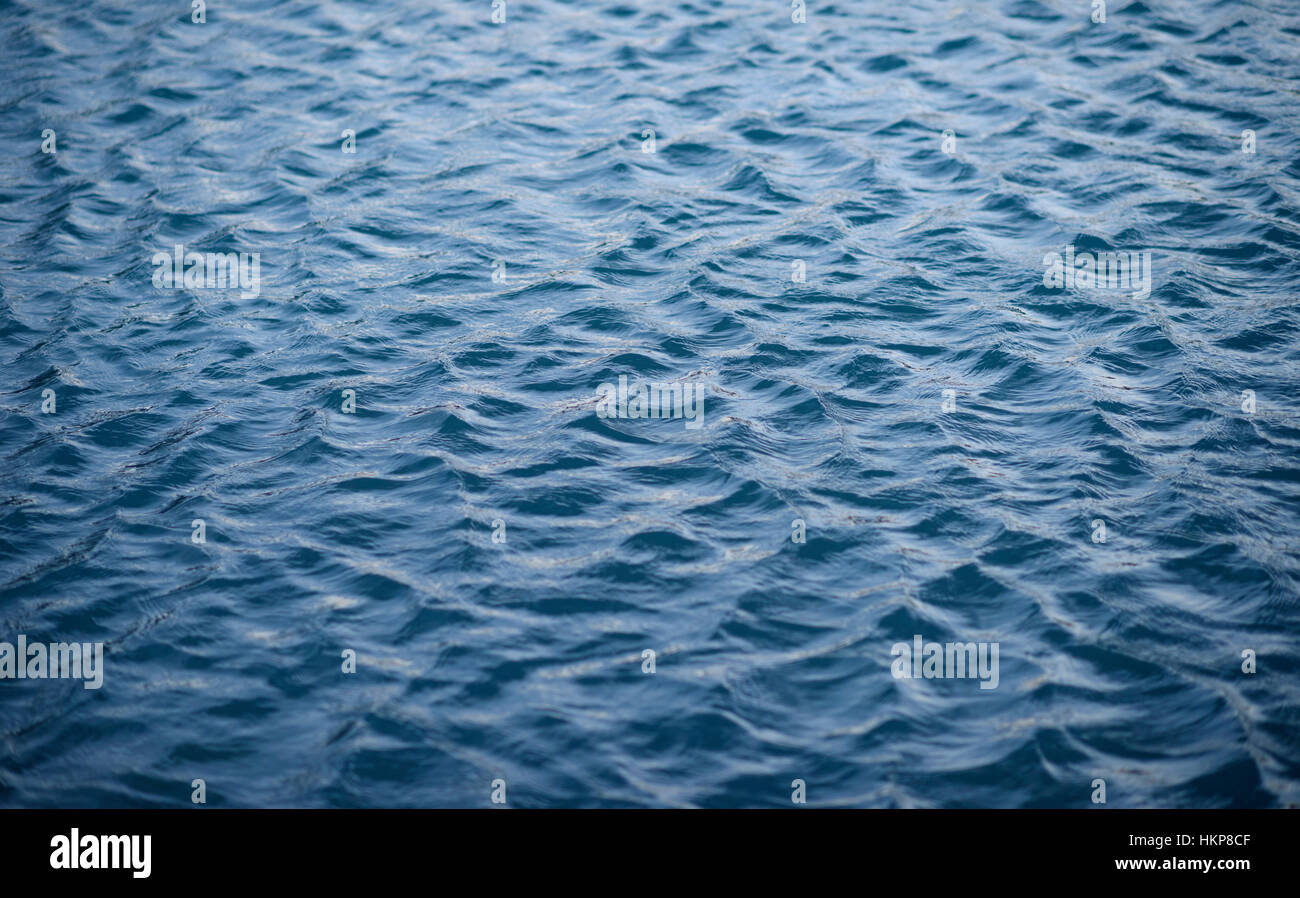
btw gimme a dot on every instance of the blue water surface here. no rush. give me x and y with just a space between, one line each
521 150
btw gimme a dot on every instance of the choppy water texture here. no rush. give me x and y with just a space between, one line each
775 142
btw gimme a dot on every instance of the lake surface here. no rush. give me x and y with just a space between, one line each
706 195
